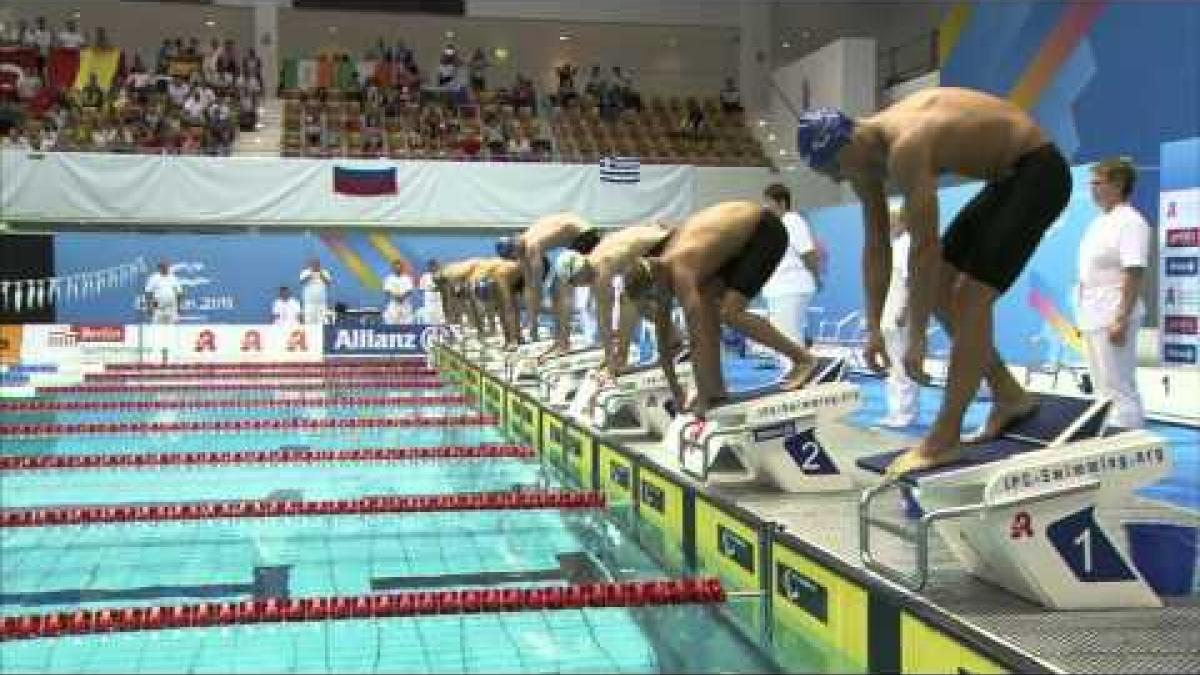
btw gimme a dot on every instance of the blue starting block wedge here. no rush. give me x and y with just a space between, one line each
1032 511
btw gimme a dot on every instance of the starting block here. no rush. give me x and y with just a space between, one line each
521 366
769 434
639 399
1035 511
561 377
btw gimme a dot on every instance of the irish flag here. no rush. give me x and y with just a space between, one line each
364 182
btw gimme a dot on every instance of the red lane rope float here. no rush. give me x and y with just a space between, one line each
31 406
340 362
427 383
262 374
242 457
465 420
641 593
262 508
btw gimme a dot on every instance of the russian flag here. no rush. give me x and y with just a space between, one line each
364 182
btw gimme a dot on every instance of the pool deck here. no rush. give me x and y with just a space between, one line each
1158 640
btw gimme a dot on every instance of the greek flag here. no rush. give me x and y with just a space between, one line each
620 169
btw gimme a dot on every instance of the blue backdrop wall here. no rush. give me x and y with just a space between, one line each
233 278
1104 78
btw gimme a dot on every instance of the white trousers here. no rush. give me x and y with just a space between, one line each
1114 374
432 313
314 313
901 391
789 313
165 315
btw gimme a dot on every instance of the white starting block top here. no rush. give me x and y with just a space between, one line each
1035 510
770 434
641 393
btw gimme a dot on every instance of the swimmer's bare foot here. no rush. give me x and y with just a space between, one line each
925 456
1002 416
799 374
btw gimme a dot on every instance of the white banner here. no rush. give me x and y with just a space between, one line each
217 343
270 191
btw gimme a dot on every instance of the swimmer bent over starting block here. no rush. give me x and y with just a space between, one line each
972 134
716 262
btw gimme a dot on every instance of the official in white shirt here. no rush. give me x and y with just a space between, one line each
314 292
902 393
431 300
791 288
1113 255
164 295
285 311
399 289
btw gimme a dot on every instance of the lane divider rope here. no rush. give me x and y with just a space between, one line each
641 593
282 456
56 516
465 420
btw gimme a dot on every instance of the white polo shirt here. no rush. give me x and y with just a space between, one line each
1113 241
164 289
286 312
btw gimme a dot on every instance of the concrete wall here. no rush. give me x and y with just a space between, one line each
645 12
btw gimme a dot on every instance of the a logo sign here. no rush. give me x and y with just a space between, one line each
1086 550
1182 267
391 340
1181 325
1022 526
99 334
735 547
1184 237
620 474
802 591
809 454
1177 353
10 344
654 497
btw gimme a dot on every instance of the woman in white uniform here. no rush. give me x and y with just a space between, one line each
1112 261
398 286
314 284
792 286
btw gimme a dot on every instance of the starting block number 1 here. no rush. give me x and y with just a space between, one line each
1085 548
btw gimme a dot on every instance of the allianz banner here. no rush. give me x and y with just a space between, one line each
414 339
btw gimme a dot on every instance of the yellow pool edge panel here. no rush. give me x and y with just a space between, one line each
860 621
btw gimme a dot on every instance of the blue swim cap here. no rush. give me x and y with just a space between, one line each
821 133
506 247
485 288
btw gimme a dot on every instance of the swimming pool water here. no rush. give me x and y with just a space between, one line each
149 564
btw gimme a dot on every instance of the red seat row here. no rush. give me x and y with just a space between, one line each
261 508
303 455
275 610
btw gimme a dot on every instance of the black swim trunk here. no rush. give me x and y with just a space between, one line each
995 234
657 250
585 241
750 268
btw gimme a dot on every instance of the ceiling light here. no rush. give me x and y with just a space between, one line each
449 35
771 137
564 37
333 29
76 14
785 44
762 123
782 152
500 53
806 34
210 23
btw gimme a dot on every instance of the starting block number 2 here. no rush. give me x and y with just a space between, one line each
1081 544
809 454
